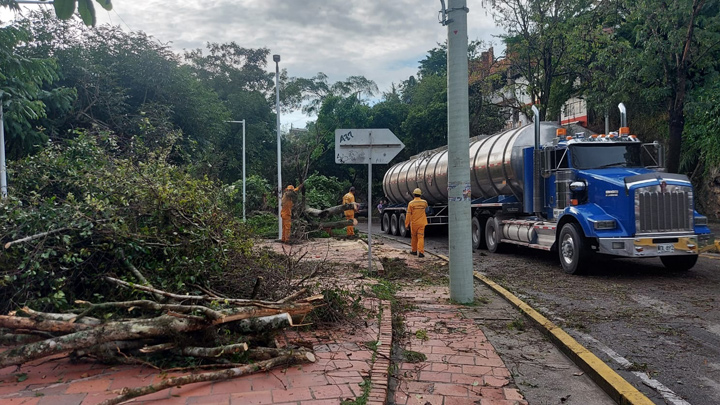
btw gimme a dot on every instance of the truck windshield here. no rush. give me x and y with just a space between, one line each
598 156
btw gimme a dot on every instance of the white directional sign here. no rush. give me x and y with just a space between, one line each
366 146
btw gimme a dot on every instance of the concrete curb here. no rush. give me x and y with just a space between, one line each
377 263
606 378
380 374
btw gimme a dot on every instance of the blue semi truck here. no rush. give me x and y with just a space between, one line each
575 194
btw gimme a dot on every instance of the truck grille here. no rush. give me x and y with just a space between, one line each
668 210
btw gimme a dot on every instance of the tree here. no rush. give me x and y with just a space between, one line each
23 95
537 42
673 45
65 9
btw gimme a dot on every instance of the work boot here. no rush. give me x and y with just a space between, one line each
413 253
421 255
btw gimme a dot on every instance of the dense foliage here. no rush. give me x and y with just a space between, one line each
91 210
121 155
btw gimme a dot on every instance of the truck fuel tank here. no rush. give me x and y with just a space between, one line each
496 167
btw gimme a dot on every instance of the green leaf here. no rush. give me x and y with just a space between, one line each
64 9
87 12
21 377
106 4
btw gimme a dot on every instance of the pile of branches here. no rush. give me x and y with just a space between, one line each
170 323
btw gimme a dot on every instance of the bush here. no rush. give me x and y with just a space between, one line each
324 192
258 195
90 212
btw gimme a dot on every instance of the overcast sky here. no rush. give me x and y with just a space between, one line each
381 40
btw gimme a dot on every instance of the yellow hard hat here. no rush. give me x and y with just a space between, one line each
417 191
290 187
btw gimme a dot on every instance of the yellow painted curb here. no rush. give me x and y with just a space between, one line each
611 382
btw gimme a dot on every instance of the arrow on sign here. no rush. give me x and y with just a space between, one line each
366 146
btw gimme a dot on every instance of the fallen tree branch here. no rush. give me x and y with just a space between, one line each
108 351
189 297
198 351
266 353
19 322
8 338
72 318
258 282
36 236
336 210
129 393
162 325
293 296
208 291
182 309
214 351
264 324
137 273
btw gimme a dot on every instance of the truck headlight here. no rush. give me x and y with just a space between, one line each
578 186
701 220
604 225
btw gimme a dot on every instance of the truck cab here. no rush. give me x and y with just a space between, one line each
609 194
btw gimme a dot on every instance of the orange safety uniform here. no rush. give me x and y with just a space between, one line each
286 211
416 219
349 198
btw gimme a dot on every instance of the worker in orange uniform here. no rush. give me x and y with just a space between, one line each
286 212
416 219
349 198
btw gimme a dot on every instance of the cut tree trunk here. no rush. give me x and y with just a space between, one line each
70 317
336 210
18 322
264 324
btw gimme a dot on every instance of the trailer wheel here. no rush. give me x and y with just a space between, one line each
572 248
393 224
493 235
478 236
385 223
679 263
402 229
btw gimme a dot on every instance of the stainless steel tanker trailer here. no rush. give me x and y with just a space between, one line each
535 186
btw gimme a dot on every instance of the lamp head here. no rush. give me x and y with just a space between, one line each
276 58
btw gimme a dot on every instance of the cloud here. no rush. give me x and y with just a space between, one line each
381 40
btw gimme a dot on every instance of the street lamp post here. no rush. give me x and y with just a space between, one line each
3 171
243 153
276 59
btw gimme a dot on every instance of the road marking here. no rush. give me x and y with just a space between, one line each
666 392
714 328
711 383
610 381
656 304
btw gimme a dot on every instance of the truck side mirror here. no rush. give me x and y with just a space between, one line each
653 155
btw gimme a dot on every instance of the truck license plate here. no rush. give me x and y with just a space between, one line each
665 248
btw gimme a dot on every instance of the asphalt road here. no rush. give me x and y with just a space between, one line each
659 329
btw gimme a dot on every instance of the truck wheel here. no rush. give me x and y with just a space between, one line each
393 224
402 230
478 236
572 248
385 223
493 235
679 263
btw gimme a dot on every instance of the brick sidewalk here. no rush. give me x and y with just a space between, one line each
461 366
343 363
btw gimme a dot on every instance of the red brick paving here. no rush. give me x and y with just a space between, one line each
461 368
